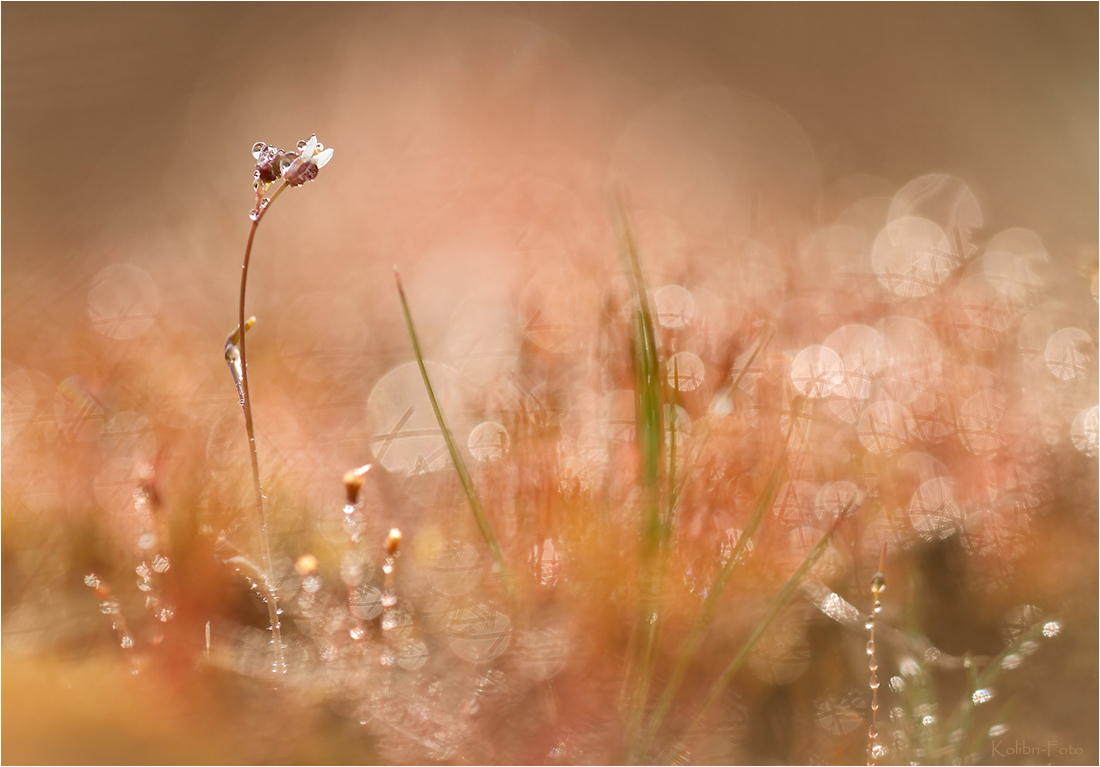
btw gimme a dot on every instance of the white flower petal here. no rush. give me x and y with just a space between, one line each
310 147
322 158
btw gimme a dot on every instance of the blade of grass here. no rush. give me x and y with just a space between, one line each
456 458
710 602
650 434
778 603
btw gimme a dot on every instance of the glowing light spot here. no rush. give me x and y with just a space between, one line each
817 371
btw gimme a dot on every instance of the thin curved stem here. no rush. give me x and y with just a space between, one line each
265 547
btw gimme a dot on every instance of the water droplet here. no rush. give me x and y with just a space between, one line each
928 721
161 563
258 149
872 664
127 642
389 600
869 622
982 696
878 751
1051 629
871 647
998 730
264 203
311 584
1012 661
254 214
873 683
302 145
897 684
91 581
872 732
357 633
388 657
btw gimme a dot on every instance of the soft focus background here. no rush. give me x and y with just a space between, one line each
905 195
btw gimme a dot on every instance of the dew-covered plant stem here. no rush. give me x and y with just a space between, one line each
472 499
265 546
878 584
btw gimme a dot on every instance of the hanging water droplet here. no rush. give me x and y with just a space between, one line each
873 683
302 145
869 623
871 647
254 214
258 149
264 203
872 664
872 732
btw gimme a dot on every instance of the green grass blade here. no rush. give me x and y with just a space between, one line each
706 610
456 458
778 603
655 526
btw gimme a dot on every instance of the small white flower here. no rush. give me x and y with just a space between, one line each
312 156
